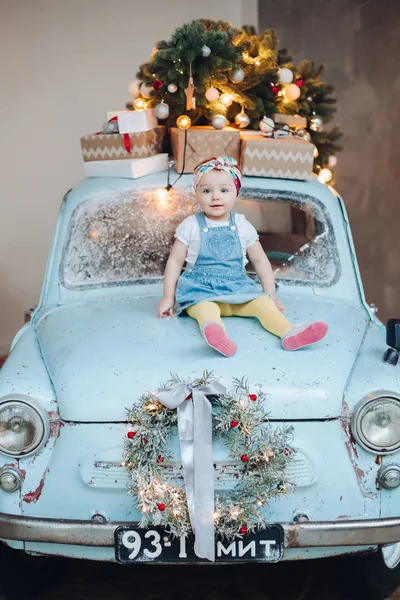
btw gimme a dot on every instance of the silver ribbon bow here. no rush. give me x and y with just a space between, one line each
195 437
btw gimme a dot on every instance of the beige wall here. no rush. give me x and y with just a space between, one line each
63 64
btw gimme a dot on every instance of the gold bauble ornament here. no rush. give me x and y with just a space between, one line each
242 120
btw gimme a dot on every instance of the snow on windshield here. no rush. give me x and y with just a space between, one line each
126 237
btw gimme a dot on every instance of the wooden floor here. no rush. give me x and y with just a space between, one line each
305 580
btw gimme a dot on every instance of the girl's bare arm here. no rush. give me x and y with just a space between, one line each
264 271
173 269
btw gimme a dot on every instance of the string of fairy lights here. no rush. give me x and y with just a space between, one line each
260 452
287 90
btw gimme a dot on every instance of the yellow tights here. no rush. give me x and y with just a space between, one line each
262 307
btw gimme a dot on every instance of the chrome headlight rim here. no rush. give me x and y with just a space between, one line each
359 412
34 404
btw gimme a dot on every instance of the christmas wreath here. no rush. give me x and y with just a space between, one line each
262 453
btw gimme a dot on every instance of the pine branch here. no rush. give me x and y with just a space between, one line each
259 56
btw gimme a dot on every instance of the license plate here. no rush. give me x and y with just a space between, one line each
133 544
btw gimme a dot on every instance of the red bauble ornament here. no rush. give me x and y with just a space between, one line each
243 529
144 441
160 459
161 506
130 434
234 423
156 84
274 89
299 82
244 458
253 397
188 396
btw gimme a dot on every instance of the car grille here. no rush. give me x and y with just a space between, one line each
113 474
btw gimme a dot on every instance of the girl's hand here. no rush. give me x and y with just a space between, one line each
278 304
166 307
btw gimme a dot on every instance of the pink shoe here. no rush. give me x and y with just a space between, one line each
300 335
215 336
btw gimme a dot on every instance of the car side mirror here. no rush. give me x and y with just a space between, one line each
391 356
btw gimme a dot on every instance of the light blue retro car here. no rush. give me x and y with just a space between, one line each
94 345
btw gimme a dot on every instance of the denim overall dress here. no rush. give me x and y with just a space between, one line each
218 273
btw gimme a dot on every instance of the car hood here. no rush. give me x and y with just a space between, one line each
102 356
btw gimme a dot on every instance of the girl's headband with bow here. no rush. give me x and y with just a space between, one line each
221 163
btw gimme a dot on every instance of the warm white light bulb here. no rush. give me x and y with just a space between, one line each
226 99
183 122
325 175
161 194
162 198
139 104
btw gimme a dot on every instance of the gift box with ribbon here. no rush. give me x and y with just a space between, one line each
287 157
116 146
130 169
134 121
201 144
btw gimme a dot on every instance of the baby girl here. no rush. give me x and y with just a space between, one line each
214 243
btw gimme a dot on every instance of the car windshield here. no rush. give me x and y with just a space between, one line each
126 237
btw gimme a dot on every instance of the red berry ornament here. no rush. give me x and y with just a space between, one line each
287 452
234 423
160 459
244 458
243 529
299 82
274 89
131 434
253 397
161 507
157 84
144 441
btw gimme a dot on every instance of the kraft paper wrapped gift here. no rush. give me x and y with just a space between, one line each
202 143
115 146
284 158
134 121
131 169
294 121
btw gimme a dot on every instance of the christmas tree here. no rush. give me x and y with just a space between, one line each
212 72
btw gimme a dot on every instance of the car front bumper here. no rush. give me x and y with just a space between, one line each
296 535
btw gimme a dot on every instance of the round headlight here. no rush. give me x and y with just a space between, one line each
22 428
375 423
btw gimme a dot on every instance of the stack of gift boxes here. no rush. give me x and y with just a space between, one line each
131 146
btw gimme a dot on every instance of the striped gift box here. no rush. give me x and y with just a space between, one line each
283 158
114 146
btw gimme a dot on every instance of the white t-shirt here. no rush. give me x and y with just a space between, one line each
188 233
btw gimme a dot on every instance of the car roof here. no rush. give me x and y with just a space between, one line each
102 186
